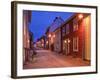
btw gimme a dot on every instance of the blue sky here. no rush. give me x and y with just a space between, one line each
40 20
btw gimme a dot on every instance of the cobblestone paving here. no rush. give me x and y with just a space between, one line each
48 59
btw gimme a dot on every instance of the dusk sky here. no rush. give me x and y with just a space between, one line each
42 19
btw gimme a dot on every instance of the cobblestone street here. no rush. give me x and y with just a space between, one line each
48 59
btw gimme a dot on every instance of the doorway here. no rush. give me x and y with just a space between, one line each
66 46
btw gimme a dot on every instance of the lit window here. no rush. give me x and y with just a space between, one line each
63 31
67 28
75 24
75 44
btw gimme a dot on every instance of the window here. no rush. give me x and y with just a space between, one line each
67 28
68 45
75 24
63 31
75 44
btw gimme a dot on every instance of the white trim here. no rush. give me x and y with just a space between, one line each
28 72
75 39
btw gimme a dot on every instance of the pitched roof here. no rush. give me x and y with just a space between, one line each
56 23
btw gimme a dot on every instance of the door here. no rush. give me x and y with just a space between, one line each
66 46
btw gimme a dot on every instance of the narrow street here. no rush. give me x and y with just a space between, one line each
48 59
68 35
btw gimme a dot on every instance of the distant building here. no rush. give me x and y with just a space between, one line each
51 35
41 43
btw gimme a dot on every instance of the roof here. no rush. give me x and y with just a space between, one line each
67 20
56 23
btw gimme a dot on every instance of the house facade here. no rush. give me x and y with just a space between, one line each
53 35
26 34
41 43
57 40
75 36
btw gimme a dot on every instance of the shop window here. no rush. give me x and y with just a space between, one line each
75 43
67 29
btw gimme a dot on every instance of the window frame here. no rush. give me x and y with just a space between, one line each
75 24
67 29
76 44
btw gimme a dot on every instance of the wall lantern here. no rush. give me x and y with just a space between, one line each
80 16
54 36
49 35
46 42
28 40
68 41
65 41
42 44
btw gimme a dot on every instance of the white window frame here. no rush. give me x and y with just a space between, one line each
75 43
75 24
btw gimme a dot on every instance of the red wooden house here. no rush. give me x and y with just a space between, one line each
75 36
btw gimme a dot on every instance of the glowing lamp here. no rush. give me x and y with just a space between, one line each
80 16
49 35
42 45
28 40
47 42
68 41
65 41
54 35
